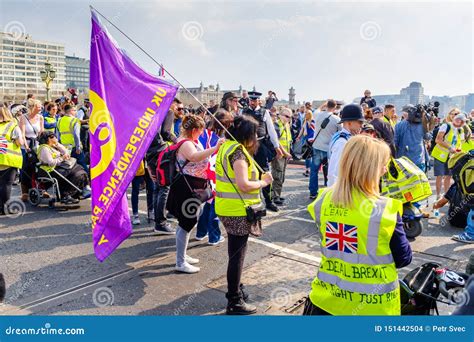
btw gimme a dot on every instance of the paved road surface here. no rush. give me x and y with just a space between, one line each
48 262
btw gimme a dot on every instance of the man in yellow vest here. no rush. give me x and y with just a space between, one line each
11 158
279 164
69 128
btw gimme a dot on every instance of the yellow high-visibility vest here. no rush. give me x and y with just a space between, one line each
10 152
66 129
441 153
228 201
50 120
285 135
389 121
54 153
410 184
357 274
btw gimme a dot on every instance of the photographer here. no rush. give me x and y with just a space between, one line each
368 99
271 99
410 136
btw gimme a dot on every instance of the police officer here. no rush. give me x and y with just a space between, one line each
269 146
351 120
362 238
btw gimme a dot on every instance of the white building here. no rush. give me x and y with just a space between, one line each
21 59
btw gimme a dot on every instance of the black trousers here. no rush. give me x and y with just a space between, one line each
160 196
7 177
262 158
237 247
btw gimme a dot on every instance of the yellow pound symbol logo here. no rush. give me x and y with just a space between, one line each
101 126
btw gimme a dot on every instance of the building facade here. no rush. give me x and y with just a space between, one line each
21 59
77 73
414 92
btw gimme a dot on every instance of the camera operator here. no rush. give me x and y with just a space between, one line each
410 136
270 99
368 99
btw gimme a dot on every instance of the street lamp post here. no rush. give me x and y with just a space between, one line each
47 76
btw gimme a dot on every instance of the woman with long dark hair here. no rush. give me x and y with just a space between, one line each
238 203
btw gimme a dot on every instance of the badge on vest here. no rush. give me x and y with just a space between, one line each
3 145
341 237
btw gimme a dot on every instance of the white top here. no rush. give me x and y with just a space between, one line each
336 153
29 132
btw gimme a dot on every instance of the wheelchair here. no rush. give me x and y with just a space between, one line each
47 183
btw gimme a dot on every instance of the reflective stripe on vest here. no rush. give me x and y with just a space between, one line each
411 184
54 155
285 135
228 201
357 275
10 152
66 130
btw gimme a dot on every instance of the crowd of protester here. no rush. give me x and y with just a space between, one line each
230 153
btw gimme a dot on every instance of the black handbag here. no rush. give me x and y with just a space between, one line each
254 213
202 195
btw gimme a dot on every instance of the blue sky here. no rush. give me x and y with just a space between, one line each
323 49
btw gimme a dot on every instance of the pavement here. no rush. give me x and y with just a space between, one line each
50 269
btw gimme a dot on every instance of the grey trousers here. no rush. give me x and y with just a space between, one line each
278 174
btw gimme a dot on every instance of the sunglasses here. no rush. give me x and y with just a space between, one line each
286 116
180 108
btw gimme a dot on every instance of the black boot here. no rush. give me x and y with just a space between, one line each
244 293
239 307
272 207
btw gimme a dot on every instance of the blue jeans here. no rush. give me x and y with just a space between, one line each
81 159
307 163
470 224
316 162
136 182
208 223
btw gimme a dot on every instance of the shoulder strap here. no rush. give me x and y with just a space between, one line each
34 130
320 126
235 188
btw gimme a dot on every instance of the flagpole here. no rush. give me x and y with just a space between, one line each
172 76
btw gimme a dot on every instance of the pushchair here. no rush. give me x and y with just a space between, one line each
41 186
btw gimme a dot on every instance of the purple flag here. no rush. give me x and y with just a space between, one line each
128 107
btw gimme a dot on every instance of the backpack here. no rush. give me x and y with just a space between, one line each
435 133
462 168
166 170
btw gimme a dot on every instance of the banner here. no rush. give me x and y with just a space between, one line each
128 107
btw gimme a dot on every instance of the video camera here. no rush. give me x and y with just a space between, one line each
430 108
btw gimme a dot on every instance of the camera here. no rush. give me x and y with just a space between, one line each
430 108
419 110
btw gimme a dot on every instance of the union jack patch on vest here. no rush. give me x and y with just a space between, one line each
341 237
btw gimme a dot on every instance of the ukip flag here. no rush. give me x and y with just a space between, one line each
128 107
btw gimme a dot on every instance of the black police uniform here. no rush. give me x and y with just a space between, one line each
265 152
